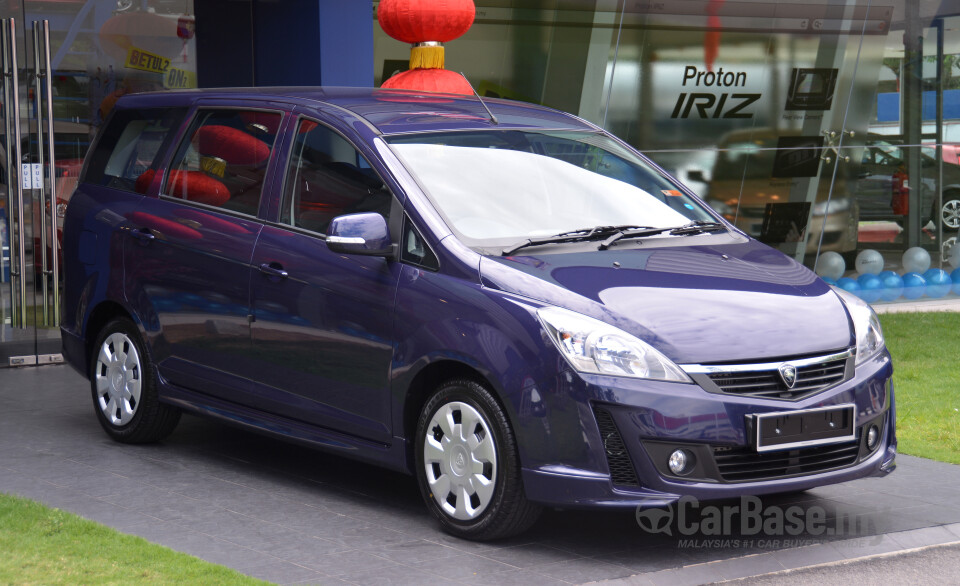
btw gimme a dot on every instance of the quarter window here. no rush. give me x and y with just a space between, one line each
414 249
130 147
223 161
328 177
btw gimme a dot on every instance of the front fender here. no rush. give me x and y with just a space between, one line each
442 318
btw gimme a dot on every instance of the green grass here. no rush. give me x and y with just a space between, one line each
41 545
926 377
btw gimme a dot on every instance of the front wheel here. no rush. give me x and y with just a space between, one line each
467 464
124 387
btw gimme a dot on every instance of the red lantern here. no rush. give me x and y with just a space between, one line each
430 80
422 21
426 24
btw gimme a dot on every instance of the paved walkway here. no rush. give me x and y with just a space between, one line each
288 514
951 304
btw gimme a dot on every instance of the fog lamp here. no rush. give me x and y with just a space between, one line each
873 436
679 461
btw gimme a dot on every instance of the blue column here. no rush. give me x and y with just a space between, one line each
288 42
313 42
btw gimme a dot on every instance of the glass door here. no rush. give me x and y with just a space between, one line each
65 64
29 273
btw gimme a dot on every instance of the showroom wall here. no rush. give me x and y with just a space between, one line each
829 129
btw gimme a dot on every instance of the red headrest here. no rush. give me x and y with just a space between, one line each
144 181
193 185
199 187
236 147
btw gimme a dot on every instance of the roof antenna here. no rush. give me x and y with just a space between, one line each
482 103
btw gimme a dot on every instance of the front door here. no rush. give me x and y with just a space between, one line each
322 321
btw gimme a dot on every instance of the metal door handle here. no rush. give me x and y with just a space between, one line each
143 235
273 270
11 83
44 107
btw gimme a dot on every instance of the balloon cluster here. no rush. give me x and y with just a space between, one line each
875 284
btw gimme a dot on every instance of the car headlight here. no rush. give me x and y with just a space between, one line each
866 324
593 346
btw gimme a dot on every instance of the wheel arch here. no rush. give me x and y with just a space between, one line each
99 317
426 380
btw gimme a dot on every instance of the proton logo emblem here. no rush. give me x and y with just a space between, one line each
657 520
788 373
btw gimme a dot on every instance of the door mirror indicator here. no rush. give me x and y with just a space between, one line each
364 233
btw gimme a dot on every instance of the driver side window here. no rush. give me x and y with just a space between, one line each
327 177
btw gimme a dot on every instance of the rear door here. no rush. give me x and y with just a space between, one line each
323 321
188 264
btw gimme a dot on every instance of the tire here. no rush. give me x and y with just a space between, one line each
491 503
950 211
123 383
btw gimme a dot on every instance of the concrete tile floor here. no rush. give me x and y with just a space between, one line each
290 515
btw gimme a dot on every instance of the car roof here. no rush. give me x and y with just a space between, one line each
388 111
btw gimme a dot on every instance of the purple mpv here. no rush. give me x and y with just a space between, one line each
509 303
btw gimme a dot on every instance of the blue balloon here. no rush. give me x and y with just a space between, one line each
870 287
955 277
892 286
938 283
830 281
914 285
848 284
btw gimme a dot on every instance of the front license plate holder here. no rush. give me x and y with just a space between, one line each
786 430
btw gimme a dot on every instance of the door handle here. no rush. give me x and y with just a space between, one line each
143 235
273 269
43 73
11 84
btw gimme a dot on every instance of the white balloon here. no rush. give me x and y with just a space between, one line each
869 262
831 265
916 260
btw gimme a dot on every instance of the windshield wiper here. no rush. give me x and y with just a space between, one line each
580 235
695 227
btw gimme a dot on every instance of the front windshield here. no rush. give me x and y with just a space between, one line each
495 187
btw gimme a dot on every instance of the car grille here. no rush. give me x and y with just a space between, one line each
743 465
810 379
618 459
764 380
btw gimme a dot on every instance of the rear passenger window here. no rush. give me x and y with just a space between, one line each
130 146
327 177
223 160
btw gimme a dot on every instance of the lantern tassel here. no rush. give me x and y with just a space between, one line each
426 56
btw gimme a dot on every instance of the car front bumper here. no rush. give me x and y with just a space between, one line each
653 418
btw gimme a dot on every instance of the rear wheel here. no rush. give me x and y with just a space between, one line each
124 387
467 464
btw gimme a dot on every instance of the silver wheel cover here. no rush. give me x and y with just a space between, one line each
950 213
460 460
118 379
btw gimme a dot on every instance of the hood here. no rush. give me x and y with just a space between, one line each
740 301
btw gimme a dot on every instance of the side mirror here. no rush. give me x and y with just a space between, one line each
364 234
